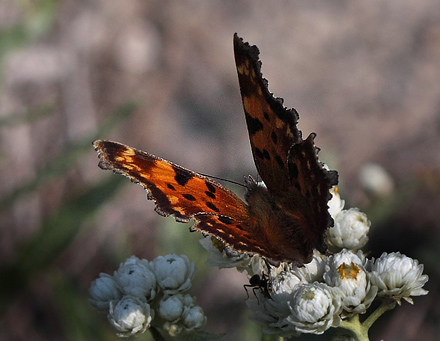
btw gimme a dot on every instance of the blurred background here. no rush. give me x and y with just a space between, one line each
160 76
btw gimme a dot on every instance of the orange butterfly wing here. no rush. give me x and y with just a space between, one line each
182 193
287 164
272 127
177 191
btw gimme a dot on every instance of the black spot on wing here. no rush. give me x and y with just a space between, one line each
210 187
254 124
189 197
266 154
293 171
171 187
210 194
274 137
212 206
258 153
279 160
266 116
181 176
225 220
262 154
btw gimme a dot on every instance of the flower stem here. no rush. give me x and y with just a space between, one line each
360 330
384 306
356 328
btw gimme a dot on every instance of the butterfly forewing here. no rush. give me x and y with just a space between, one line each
177 191
272 128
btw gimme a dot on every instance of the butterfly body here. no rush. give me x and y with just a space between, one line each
282 220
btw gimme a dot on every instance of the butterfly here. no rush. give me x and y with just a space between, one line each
282 219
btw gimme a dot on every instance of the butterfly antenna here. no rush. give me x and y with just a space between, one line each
222 179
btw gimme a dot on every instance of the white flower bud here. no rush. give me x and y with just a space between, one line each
181 313
346 272
314 308
349 231
173 273
193 318
398 276
130 316
103 290
136 279
171 308
285 283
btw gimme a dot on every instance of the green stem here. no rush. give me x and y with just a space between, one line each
360 330
384 307
356 328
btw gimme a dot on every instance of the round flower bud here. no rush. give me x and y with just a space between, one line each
181 312
130 316
193 318
135 278
173 273
398 276
349 231
284 283
103 290
314 308
171 308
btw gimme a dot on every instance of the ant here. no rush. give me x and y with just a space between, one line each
258 282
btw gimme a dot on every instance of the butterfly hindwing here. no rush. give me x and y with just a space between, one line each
241 236
177 191
309 190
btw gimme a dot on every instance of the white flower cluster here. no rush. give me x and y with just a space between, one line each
141 294
291 300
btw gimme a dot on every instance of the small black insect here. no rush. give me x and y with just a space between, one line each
258 282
